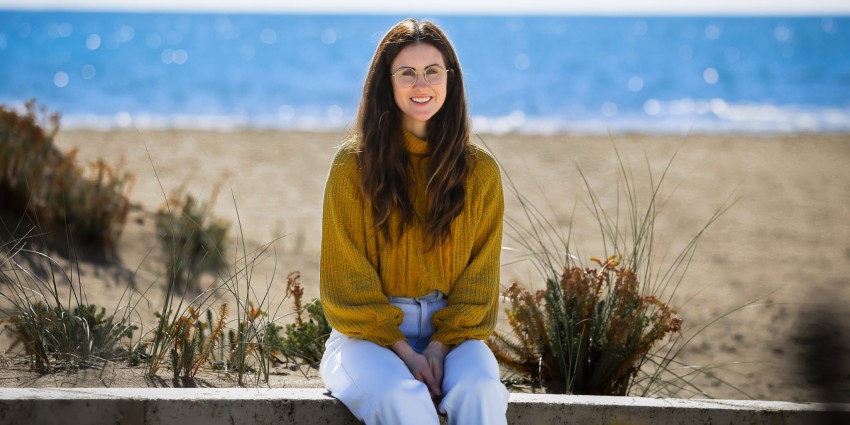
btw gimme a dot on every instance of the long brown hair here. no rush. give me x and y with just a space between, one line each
384 162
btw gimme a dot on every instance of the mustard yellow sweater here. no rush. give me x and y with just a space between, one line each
359 270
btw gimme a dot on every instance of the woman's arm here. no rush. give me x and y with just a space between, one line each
350 288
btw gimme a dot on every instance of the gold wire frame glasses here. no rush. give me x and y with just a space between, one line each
433 75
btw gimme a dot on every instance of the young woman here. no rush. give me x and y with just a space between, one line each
411 237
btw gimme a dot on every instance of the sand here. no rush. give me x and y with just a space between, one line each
777 255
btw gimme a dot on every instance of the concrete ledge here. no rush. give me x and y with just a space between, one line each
213 406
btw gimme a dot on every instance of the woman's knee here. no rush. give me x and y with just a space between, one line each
483 401
472 380
472 359
479 388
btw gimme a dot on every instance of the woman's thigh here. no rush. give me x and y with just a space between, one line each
374 383
351 362
470 360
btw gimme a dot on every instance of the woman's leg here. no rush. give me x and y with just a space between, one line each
374 383
473 391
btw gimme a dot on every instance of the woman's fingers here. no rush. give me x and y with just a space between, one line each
422 372
427 369
436 355
429 380
436 369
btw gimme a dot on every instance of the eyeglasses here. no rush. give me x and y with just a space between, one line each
433 74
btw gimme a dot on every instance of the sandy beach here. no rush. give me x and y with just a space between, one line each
781 251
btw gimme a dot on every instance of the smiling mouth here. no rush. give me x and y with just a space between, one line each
420 99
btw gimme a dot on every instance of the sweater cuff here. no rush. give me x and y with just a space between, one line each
452 339
386 336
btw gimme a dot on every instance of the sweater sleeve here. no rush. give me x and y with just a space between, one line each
472 308
350 287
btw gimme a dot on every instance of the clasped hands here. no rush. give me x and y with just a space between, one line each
426 367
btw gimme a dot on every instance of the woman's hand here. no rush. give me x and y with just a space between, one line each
435 353
419 366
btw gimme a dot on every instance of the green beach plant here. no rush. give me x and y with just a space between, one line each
48 316
195 341
607 329
304 340
250 345
192 239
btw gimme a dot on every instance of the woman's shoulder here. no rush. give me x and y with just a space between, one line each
345 165
484 164
348 148
346 153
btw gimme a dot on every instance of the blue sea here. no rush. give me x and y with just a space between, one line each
527 74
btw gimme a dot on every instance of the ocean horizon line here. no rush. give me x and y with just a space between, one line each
724 119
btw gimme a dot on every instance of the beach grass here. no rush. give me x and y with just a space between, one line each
57 329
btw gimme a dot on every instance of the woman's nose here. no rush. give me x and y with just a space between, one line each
420 81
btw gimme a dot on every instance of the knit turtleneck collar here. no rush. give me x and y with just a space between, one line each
415 145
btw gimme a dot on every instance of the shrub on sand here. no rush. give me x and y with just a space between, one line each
192 239
37 179
584 334
305 340
600 330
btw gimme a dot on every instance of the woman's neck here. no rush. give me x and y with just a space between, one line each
417 128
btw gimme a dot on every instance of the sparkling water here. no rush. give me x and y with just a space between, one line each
531 74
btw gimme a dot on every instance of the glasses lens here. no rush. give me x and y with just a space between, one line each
435 74
406 77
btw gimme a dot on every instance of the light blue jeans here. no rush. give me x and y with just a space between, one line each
416 325
375 384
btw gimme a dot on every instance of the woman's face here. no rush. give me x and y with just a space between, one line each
421 101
